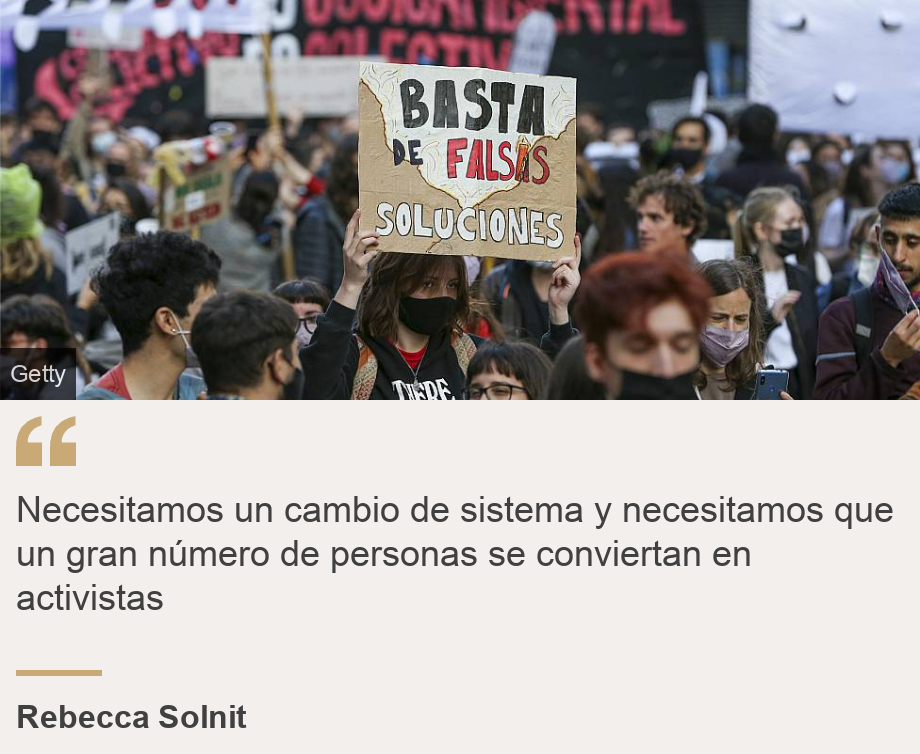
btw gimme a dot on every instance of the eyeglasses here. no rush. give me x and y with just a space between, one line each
500 391
308 323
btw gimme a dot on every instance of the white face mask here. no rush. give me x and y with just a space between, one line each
867 268
191 360
797 156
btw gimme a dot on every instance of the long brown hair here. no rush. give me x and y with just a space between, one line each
725 276
395 275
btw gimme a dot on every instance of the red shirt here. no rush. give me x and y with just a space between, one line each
114 382
412 359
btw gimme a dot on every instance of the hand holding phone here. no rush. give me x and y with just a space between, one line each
770 384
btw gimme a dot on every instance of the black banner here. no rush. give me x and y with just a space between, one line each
624 53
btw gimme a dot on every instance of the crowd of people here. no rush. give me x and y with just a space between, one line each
817 271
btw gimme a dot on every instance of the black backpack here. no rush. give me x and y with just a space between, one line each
862 304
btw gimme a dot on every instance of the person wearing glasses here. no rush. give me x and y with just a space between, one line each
869 341
309 299
508 372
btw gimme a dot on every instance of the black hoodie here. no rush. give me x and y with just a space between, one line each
330 363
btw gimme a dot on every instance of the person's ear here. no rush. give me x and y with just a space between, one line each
165 321
760 231
595 363
278 367
687 230
40 344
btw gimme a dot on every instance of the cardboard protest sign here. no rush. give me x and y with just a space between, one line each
202 199
319 86
467 161
86 248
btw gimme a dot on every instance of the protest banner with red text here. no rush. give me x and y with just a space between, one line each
467 161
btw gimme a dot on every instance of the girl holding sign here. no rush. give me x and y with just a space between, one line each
409 343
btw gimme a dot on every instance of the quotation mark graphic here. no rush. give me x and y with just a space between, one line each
30 453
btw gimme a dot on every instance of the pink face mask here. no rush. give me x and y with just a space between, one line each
721 346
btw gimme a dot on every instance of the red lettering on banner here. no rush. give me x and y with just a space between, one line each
348 11
417 12
389 40
539 154
616 16
462 14
592 12
318 12
665 23
491 173
474 169
374 11
315 43
421 45
487 57
660 18
452 45
504 150
341 42
637 11
453 147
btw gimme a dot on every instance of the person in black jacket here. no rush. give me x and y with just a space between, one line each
770 230
319 233
409 343
759 163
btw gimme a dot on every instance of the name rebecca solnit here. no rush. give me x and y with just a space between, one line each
170 717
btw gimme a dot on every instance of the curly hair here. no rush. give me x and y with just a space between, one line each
681 198
146 272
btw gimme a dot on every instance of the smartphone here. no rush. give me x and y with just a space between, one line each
770 383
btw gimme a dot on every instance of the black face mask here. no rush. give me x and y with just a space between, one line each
116 169
427 316
293 390
792 241
686 158
45 138
645 387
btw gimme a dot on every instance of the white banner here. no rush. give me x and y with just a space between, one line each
320 86
87 247
847 66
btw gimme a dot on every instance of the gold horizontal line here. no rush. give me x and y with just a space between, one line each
58 672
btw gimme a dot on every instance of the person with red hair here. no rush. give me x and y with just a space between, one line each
641 316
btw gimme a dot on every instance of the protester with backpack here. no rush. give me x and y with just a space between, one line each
869 341
409 343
